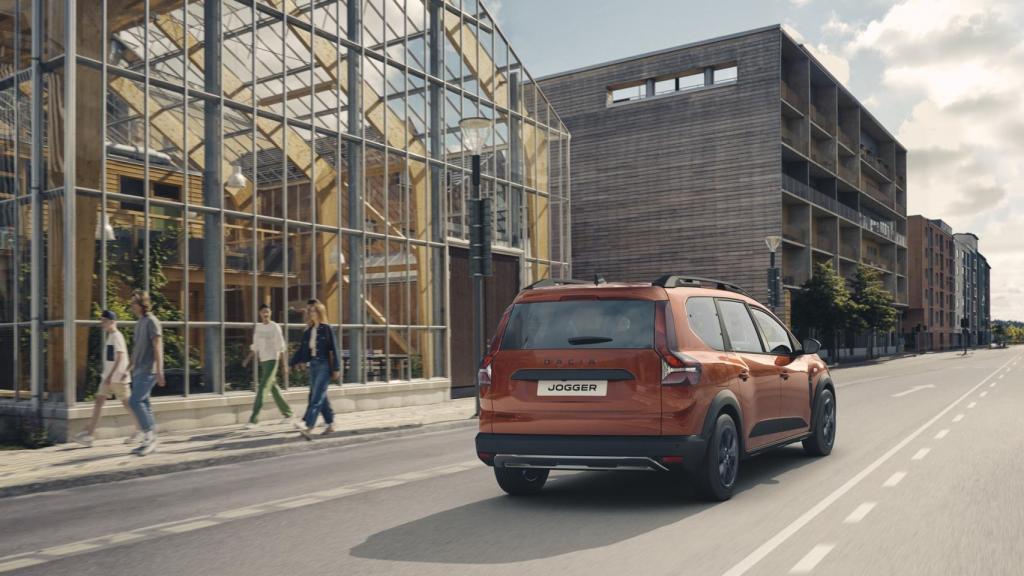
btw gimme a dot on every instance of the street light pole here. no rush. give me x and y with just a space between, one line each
475 132
773 243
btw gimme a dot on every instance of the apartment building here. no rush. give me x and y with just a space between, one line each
931 321
685 159
973 307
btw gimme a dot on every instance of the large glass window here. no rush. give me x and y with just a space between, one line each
580 324
740 328
702 317
776 337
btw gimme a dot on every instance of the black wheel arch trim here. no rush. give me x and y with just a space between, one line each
723 399
823 383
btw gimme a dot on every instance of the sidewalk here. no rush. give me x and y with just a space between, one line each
70 465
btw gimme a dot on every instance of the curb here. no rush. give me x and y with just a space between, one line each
288 445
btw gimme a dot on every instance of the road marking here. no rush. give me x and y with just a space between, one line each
912 390
780 537
859 513
179 528
808 562
983 394
972 404
25 559
19 564
958 417
893 480
1000 378
992 385
921 454
942 434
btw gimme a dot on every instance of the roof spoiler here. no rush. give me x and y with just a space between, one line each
677 281
550 282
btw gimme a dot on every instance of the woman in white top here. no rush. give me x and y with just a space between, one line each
268 345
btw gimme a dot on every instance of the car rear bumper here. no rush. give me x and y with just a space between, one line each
591 452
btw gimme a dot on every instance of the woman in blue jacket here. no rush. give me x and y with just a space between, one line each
319 350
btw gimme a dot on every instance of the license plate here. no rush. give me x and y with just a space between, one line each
572 388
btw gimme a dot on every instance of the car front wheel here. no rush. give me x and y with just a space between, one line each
520 481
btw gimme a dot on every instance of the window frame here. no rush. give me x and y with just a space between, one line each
725 331
793 344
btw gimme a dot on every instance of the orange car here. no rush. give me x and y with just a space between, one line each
681 375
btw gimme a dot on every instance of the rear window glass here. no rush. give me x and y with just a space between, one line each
580 324
703 319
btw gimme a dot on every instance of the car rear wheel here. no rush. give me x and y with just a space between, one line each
823 436
716 476
520 481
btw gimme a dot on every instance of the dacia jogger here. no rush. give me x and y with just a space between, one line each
683 375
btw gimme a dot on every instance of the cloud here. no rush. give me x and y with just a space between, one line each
800 3
961 64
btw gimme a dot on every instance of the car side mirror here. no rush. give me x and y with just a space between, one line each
811 346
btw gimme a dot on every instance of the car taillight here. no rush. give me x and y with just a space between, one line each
677 369
483 375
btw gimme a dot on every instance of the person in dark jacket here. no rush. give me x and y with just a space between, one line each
318 350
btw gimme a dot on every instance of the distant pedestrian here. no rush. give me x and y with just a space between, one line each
114 382
269 347
147 368
319 350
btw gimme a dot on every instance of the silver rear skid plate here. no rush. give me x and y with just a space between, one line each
548 462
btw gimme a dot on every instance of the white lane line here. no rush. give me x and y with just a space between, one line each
859 513
123 537
958 417
912 390
893 480
808 562
1000 377
942 434
298 503
179 528
983 394
70 548
921 454
993 385
239 513
972 404
19 564
779 538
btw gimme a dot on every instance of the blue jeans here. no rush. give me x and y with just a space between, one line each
319 378
142 385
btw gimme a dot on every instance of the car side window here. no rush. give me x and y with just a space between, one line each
703 318
740 328
775 335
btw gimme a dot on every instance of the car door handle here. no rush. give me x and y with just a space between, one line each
784 375
744 374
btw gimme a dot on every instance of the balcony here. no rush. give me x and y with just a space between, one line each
790 95
795 233
822 155
875 191
826 242
823 122
848 250
793 139
847 140
876 163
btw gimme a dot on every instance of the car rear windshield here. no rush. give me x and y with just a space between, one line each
580 324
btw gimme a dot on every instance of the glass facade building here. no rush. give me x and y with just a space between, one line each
223 154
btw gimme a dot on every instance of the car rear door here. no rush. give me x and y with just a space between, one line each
577 366
759 398
794 385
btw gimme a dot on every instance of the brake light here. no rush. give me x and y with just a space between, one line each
677 369
483 374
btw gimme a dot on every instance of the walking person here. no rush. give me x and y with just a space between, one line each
268 347
114 382
147 368
319 351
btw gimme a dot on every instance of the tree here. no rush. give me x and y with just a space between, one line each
873 309
999 332
824 304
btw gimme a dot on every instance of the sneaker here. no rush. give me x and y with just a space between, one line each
83 438
328 431
135 438
148 445
307 433
299 425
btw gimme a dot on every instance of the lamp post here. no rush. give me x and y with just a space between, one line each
475 133
773 243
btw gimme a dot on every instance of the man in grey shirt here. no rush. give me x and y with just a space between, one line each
147 368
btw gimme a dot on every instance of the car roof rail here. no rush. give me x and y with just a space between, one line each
549 282
679 281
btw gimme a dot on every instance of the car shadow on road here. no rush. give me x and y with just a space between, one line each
574 512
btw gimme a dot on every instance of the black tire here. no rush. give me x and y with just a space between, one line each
716 476
521 481
823 434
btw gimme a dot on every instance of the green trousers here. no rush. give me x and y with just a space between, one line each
268 377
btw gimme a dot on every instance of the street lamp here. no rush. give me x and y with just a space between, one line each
773 243
475 133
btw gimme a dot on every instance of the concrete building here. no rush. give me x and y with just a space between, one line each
228 153
686 159
973 292
931 321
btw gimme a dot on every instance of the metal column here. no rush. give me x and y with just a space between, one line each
37 177
357 220
70 217
213 192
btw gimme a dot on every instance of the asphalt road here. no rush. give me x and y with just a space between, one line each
926 478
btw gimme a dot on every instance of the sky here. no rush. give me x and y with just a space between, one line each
944 76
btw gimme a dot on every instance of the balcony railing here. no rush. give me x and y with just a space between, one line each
794 233
819 118
823 157
790 95
790 137
882 228
825 242
848 250
847 140
876 163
